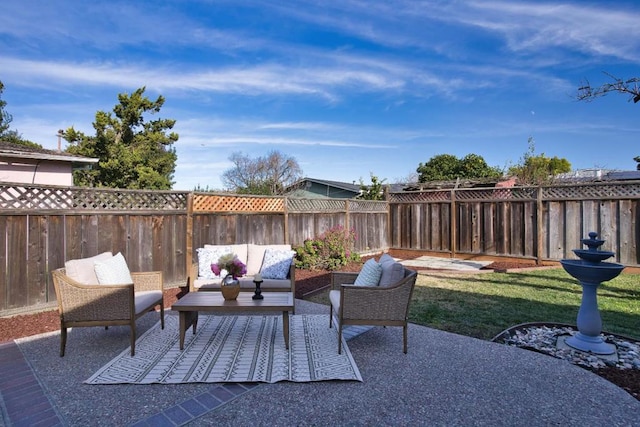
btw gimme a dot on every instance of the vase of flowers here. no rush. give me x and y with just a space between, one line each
232 268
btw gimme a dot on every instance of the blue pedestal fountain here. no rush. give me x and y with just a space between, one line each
591 271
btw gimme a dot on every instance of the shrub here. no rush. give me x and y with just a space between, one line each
329 251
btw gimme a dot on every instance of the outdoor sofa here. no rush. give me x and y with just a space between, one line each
273 262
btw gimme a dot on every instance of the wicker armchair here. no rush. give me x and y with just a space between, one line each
106 305
370 305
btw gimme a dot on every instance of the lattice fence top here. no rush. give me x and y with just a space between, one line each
295 205
421 196
19 197
236 203
591 191
315 205
594 191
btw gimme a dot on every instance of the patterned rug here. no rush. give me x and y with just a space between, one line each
234 349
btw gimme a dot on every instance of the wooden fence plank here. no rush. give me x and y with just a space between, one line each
489 228
628 232
34 280
530 238
17 262
608 227
573 228
555 230
55 253
516 229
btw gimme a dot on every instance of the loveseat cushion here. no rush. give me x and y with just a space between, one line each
369 274
276 263
83 270
255 256
207 256
113 271
246 283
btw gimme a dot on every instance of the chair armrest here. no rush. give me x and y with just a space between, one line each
193 275
292 278
375 302
80 302
342 278
147 281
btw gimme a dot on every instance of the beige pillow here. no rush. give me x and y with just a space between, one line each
82 270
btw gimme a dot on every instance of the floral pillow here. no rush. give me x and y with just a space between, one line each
276 263
208 256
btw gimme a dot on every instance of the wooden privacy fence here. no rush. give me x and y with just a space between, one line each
544 223
228 219
41 227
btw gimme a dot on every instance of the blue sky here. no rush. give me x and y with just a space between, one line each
347 87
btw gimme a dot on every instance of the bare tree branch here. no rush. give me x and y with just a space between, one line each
586 92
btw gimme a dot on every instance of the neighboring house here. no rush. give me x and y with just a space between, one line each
310 188
39 166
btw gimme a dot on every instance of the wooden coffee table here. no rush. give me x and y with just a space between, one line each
189 306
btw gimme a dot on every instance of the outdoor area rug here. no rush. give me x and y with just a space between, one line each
234 349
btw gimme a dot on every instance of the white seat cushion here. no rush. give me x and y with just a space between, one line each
144 300
334 297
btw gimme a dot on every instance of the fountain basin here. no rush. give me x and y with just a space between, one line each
592 256
589 272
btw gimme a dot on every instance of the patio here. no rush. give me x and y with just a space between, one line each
444 379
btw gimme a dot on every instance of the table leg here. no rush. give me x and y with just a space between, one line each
285 328
183 327
187 318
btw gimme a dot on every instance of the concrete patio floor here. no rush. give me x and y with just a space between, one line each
445 379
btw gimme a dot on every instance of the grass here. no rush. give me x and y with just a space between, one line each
484 305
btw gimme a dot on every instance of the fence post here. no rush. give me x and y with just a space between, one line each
286 220
189 239
539 225
454 223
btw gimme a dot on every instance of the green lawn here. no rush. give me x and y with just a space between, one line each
483 305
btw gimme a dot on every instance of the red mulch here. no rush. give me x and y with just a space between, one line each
306 281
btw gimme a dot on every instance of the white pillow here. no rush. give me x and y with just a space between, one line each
83 271
370 274
276 263
113 271
207 256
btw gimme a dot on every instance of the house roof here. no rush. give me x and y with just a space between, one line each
17 151
337 184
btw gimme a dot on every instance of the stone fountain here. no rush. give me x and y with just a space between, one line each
591 271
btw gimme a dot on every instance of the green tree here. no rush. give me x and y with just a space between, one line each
373 191
6 133
266 175
132 152
538 169
446 167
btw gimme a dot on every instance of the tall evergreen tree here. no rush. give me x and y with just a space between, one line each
134 153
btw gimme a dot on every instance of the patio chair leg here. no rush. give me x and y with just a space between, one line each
133 339
162 315
340 339
63 340
404 333
330 316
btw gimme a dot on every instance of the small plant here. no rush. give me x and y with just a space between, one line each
331 250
